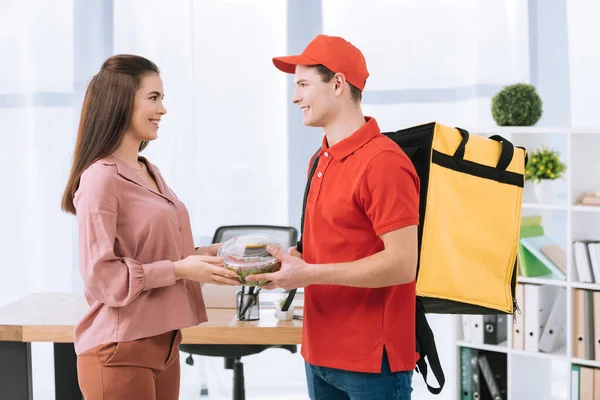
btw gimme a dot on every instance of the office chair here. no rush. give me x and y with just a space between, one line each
234 352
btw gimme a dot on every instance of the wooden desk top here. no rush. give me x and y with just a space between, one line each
51 317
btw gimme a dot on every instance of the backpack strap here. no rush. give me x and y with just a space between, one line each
288 302
426 349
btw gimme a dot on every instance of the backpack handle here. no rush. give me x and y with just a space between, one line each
506 154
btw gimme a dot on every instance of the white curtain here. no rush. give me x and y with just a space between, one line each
434 60
223 144
37 127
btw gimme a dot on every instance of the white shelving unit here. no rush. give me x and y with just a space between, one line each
537 375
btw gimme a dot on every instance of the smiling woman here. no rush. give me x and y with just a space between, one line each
136 251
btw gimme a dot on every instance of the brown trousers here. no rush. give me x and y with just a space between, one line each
146 369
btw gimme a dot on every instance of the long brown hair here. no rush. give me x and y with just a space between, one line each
105 115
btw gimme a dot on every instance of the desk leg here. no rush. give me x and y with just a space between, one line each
66 385
15 370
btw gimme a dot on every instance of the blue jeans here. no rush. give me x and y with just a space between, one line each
336 384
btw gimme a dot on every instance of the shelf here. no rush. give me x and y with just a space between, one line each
560 354
588 286
541 281
588 363
541 206
499 130
498 348
591 209
535 374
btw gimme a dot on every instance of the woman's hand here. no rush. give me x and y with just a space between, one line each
210 250
205 269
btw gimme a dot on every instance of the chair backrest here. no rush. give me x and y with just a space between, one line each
287 234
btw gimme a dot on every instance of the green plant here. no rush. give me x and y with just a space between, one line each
517 105
544 163
281 301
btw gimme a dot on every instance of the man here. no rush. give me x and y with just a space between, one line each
360 237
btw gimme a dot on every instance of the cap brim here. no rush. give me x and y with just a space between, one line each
288 63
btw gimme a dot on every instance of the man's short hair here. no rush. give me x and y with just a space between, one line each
327 75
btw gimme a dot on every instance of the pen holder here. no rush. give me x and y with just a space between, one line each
247 306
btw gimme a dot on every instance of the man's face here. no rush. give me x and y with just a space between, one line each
314 97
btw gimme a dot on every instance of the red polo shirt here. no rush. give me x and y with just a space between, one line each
363 187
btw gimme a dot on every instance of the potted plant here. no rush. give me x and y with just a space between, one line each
517 105
283 315
544 166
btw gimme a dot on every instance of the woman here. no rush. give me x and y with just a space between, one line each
136 255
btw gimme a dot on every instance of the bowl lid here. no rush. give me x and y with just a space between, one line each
249 250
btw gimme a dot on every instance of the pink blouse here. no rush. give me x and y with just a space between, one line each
129 237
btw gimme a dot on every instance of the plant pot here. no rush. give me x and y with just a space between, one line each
544 191
284 315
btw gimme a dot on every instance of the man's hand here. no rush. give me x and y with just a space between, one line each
210 250
294 252
294 272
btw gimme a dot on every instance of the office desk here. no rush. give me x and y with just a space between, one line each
51 317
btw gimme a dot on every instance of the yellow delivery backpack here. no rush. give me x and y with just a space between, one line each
470 211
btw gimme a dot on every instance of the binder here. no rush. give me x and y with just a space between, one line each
498 366
531 220
554 333
579 336
476 328
466 328
475 377
596 301
466 385
489 378
586 383
582 262
495 329
594 253
588 309
597 384
574 382
557 255
533 245
518 338
530 265
539 300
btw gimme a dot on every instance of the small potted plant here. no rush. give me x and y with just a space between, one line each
283 315
517 105
544 166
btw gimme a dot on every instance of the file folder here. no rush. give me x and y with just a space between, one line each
586 383
533 245
596 384
466 328
489 378
579 336
554 333
539 300
476 327
475 376
466 384
596 301
588 309
495 329
574 382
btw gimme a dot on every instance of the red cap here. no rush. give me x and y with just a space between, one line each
334 53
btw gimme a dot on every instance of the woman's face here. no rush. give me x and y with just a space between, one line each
147 109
